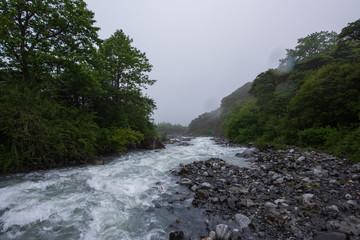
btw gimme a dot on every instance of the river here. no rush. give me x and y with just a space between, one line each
123 199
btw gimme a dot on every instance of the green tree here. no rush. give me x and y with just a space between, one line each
351 32
243 125
39 39
316 43
46 48
330 97
348 49
125 76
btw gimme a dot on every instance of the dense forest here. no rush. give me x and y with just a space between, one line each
66 95
311 100
165 128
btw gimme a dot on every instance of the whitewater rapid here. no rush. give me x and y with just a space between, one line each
112 201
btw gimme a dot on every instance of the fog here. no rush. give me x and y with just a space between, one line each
203 50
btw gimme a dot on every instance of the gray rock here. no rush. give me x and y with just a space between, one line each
277 201
355 177
223 232
276 176
348 197
242 221
333 208
269 205
185 182
216 166
319 173
194 188
334 182
247 152
300 159
307 180
351 203
306 199
206 185
279 181
201 194
212 234
234 190
331 236
356 167
152 143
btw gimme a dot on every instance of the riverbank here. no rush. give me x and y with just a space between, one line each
286 194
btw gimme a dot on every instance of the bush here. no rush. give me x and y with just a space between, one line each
118 139
313 137
37 133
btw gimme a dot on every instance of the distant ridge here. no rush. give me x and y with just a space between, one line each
212 121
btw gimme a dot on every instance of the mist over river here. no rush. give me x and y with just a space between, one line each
122 199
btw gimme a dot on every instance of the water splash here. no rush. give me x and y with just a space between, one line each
113 201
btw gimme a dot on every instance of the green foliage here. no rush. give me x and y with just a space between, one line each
119 139
168 128
38 133
311 100
316 43
329 97
314 137
38 38
124 77
243 126
351 32
65 95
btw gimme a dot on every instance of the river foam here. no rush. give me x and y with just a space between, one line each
111 201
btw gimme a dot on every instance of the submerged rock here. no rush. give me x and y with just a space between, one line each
151 143
178 235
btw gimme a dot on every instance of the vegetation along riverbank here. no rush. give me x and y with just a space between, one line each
310 100
65 94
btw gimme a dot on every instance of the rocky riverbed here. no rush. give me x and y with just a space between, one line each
286 194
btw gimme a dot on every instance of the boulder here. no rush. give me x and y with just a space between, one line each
178 235
151 143
331 236
223 232
242 221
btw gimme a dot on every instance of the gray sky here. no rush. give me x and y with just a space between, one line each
203 50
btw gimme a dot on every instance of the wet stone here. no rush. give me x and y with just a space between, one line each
285 194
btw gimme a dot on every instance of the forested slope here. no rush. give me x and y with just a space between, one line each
212 121
311 100
65 94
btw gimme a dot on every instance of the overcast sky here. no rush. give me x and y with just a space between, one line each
203 50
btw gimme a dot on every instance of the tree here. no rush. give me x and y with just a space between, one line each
126 64
243 125
348 48
323 42
351 32
314 45
126 76
39 39
329 97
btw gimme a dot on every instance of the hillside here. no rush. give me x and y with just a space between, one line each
212 121
311 100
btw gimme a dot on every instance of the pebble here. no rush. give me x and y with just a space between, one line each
277 197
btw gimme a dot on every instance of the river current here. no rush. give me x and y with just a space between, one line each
119 200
